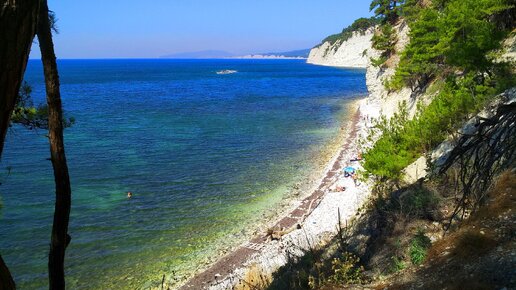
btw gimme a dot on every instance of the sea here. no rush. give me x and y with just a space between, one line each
209 150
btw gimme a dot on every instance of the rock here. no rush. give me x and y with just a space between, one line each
349 53
415 171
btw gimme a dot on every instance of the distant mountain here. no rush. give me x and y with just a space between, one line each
294 53
303 53
200 54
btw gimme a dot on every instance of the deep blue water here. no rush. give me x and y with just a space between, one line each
205 156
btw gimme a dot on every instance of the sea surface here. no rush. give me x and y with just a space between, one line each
207 157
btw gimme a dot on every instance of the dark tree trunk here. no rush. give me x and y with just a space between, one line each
60 238
18 20
6 281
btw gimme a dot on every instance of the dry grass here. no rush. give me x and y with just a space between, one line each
501 198
477 254
254 279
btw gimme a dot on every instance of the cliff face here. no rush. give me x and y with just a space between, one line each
349 53
377 76
356 52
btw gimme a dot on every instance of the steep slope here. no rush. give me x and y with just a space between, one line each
349 53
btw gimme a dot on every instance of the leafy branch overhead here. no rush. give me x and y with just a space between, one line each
30 116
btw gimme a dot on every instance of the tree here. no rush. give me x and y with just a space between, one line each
18 21
387 9
423 56
60 238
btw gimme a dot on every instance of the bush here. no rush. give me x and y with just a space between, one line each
402 140
346 270
419 247
456 34
384 40
378 62
397 264
418 203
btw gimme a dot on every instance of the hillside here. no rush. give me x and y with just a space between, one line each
302 53
441 155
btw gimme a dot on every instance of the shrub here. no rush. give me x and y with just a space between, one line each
418 203
451 35
346 270
402 140
397 264
419 247
377 62
384 40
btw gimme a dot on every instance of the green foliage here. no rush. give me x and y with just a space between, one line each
449 36
376 62
346 270
403 140
423 57
397 264
387 10
417 203
467 34
419 247
52 20
360 25
384 40
410 9
449 40
26 114
390 153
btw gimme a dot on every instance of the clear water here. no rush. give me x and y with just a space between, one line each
205 155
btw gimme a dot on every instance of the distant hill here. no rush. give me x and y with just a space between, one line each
294 53
224 54
200 54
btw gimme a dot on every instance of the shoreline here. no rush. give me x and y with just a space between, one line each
308 61
304 215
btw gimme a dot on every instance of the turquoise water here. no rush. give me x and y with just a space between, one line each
205 155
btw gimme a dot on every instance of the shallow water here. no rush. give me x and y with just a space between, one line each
205 155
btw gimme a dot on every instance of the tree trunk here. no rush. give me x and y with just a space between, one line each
18 21
60 238
6 281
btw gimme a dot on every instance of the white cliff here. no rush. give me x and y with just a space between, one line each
350 53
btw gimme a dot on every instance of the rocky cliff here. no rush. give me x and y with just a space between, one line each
349 53
356 52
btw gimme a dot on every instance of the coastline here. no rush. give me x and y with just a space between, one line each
350 66
306 219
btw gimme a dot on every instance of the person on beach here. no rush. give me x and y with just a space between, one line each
340 188
348 171
355 178
129 194
358 158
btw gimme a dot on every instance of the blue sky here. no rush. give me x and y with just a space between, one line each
148 29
